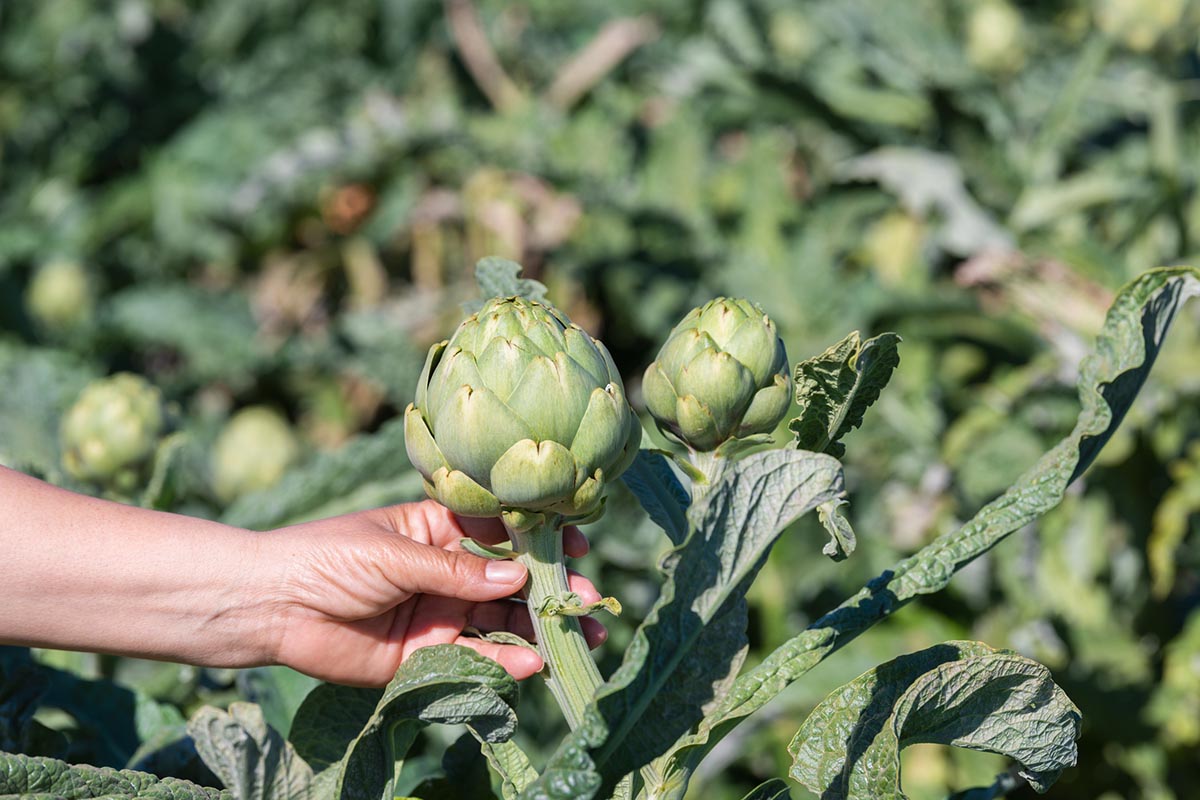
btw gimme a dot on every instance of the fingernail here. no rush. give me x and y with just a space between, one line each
504 572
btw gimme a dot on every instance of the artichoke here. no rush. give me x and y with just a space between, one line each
252 452
111 430
59 296
722 374
521 410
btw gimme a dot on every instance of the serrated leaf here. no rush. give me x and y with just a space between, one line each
499 277
841 536
733 527
30 775
835 389
1109 380
655 486
252 759
960 693
354 753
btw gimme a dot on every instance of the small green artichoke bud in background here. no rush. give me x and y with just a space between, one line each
722 374
521 410
112 430
59 297
252 452
996 37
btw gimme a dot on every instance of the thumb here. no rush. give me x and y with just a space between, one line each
424 568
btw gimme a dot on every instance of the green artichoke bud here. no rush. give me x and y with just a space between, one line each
112 430
521 410
722 374
59 296
252 452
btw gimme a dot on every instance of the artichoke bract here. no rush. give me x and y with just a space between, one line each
112 429
520 410
722 374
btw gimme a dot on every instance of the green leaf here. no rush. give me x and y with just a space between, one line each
23 684
278 690
960 693
337 482
499 277
932 184
511 764
841 536
835 389
29 775
655 486
112 719
215 334
774 789
354 751
252 759
733 528
1109 380
39 386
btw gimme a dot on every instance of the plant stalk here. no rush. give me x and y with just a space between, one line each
570 672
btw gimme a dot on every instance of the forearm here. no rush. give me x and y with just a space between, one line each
88 574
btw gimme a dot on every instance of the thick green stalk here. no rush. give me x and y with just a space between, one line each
571 673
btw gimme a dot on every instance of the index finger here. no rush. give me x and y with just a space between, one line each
491 531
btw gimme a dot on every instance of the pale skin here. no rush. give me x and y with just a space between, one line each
344 599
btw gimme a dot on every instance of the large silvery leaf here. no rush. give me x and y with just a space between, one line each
27 775
1109 380
355 753
733 528
959 693
835 389
654 484
252 759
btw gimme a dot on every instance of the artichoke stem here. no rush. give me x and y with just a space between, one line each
570 672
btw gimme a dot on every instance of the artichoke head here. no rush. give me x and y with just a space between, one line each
253 451
721 374
112 429
521 410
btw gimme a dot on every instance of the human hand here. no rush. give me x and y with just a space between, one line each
359 593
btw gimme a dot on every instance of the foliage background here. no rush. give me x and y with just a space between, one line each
280 203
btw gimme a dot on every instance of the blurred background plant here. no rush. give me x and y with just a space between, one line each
269 210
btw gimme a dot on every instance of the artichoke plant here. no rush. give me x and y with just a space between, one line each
520 410
522 415
111 430
721 374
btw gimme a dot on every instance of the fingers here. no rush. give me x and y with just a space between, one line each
437 620
521 662
512 616
575 544
414 568
432 523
